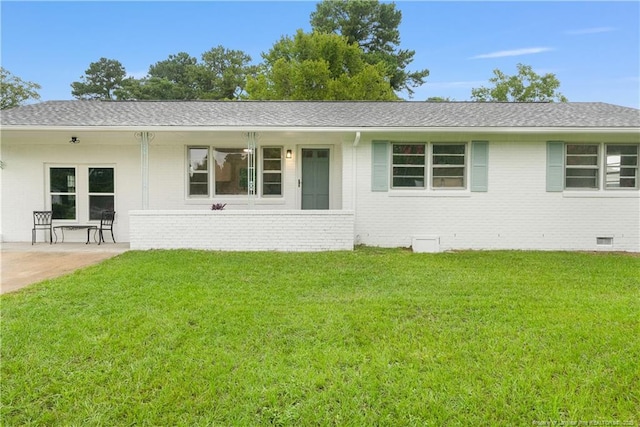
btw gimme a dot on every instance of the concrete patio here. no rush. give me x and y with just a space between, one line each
24 264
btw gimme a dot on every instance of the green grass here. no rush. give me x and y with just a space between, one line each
370 337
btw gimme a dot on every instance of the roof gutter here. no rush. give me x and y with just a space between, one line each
421 129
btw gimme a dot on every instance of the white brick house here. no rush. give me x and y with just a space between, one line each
327 175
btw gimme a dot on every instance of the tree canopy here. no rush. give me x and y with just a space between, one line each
100 80
14 91
526 86
222 74
318 66
374 27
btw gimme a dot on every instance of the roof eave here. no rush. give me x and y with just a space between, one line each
311 129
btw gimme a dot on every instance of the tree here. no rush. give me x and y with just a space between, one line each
223 73
316 66
14 91
180 72
374 27
100 81
439 99
526 86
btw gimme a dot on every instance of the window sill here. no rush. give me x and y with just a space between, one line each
430 193
602 194
240 201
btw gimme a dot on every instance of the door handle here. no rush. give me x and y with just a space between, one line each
299 183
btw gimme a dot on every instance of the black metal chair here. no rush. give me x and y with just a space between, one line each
42 220
106 223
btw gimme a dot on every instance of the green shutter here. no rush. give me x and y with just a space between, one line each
380 166
479 166
555 165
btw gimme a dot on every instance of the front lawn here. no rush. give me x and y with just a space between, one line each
370 337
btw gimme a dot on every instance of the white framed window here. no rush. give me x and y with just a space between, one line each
231 172
80 193
63 192
198 179
408 165
621 161
272 171
219 171
101 191
448 165
581 166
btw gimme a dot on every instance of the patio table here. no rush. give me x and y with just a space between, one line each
74 227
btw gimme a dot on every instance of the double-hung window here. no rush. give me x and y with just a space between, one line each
448 166
408 165
581 166
621 166
62 192
272 171
101 191
198 171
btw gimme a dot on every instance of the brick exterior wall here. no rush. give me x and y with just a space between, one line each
246 230
515 213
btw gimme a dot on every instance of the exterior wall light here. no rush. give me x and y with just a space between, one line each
289 154
74 140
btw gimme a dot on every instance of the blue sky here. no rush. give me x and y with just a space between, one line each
592 47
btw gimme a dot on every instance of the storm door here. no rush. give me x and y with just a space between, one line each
315 178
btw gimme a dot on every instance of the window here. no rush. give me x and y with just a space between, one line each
101 192
272 171
408 169
448 169
62 190
198 171
81 193
231 171
622 166
581 166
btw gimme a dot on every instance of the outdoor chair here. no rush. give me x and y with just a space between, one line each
106 223
42 220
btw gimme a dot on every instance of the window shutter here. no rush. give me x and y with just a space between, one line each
555 165
479 166
380 166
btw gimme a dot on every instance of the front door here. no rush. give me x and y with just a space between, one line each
315 178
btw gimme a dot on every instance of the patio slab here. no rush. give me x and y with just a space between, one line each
23 264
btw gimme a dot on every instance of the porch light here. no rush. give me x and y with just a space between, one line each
289 154
74 140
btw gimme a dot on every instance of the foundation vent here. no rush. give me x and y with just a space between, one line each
604 241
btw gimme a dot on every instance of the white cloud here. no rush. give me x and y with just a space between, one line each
515 52
594 30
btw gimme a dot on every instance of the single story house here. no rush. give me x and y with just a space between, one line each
307 176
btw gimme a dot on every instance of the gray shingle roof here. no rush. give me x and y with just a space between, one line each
319 114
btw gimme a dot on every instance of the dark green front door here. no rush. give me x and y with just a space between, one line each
315 178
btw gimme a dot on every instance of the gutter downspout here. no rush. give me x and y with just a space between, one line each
354 180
